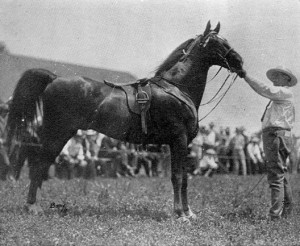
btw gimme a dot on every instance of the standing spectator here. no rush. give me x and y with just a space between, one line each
142 161
254 153
237 146
154 156
222 153
166 159
211 138
277 123
197 143
227 136
132 155
4 160
124 169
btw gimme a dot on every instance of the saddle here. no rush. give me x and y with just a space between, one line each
138 95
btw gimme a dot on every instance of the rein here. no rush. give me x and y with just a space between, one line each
212 99
178 84
220 99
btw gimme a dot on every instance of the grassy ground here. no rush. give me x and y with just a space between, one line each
138 212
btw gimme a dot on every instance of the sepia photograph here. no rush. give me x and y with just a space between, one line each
149 122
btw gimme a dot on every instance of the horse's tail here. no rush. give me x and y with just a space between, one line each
27 101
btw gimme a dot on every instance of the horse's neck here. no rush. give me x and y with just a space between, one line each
192 80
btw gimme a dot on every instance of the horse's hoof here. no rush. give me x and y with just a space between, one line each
183 220
34 209
12 179
190 215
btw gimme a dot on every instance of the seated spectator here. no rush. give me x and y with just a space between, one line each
154 156
91 149
207 165
73 155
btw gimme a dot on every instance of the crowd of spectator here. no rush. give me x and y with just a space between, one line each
89 154
240 153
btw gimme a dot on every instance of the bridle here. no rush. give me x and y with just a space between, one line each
186 53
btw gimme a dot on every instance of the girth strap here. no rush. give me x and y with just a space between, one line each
143 101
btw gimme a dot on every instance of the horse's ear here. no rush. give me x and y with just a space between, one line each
217 29
207 29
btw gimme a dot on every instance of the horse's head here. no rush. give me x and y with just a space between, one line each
217 51
193 57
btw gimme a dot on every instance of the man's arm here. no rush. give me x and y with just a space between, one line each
269 91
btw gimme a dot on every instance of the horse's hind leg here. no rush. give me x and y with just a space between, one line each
17 161
38 173
41 164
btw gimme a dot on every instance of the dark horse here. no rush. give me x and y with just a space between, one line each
69 104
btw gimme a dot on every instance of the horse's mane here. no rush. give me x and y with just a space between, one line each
172 58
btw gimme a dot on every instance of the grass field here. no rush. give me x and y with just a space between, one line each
139 212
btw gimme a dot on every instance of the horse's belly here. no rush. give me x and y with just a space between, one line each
114 119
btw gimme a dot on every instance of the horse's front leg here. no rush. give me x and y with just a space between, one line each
178 153
184 196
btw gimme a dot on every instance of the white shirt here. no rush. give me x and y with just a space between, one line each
281 111
254 152
211 138
73 149
208 161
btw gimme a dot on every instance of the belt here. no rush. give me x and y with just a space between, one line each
276 128
280 131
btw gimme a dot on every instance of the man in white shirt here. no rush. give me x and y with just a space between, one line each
254 153
277 123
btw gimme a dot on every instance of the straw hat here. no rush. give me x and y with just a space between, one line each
271 73
211 152
90 132
255 139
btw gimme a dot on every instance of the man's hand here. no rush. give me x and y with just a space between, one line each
242 73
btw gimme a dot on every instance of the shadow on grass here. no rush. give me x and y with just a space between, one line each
14 209
246 213
90 211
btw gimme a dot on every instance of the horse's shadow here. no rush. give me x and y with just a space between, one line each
90 211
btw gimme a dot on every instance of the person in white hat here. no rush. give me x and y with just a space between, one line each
277 123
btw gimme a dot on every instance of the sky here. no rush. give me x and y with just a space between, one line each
136 36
